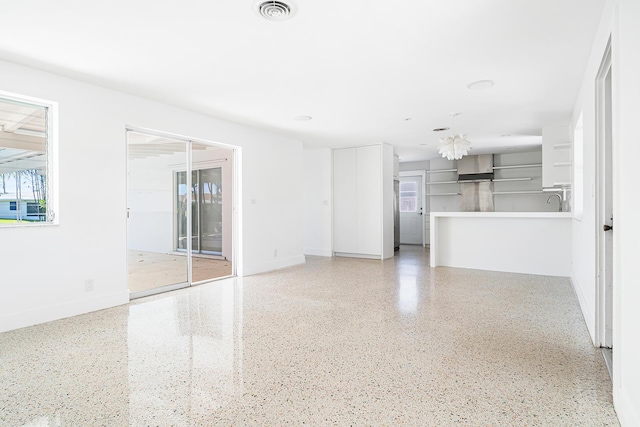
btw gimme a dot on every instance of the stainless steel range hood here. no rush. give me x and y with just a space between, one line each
475 168
475 175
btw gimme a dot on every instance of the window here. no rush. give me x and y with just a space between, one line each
26 160
408 197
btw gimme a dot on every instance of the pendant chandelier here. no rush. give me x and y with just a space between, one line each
455 146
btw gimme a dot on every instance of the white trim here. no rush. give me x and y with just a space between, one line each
626 410
599 323
53 201
237 259
158 290
318 251
188 195
62 311
275 265
566 215
587 313
353 255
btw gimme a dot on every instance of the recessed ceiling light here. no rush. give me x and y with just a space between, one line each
440 129
480 84
302 118
276 10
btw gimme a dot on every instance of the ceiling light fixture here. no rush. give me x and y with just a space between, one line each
302 118
276 10
455 146
480 84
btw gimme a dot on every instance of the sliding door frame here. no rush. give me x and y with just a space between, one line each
236 227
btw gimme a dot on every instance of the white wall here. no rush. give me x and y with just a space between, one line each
318 206
620 20
414 166
92 158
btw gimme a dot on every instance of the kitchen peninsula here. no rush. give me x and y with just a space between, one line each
519 242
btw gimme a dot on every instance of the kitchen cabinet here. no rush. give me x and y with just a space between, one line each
363 201
556 156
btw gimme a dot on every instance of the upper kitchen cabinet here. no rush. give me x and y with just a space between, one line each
556 156
363 201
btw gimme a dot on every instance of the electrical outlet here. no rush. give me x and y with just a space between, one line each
88 285
275 253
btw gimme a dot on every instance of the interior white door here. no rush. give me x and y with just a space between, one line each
606 187
411 215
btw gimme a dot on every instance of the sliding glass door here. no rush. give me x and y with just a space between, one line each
205 196
152 263
179 228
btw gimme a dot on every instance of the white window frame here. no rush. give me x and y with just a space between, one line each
53 217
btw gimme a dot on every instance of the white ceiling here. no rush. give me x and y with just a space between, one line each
358 67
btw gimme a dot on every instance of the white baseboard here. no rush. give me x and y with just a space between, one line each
273 265
318 252
350 255
628 414
587 314
61 311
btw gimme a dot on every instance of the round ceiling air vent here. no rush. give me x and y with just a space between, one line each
276 10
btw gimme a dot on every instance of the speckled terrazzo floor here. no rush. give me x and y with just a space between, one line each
333 342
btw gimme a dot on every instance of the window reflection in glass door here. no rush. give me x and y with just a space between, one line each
210 209
152 262
205 197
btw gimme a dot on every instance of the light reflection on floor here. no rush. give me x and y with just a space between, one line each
335 341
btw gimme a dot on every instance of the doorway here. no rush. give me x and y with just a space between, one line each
179 227
604 206
413 212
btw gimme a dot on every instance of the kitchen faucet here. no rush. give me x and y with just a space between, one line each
559 201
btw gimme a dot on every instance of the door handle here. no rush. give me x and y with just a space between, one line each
607 227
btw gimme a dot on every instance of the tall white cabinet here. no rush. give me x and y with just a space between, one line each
363 201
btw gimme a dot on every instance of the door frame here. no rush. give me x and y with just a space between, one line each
237 264
425 214
604 149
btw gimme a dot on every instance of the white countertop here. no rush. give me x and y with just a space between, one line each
502 214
